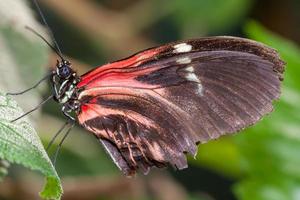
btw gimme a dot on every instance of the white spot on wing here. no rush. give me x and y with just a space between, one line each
189 69
191 76
184 60
200 89
182 47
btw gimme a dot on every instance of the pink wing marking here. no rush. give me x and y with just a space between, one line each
118 78
129 62
127 93
91 110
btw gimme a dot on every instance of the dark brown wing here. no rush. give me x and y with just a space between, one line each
162 108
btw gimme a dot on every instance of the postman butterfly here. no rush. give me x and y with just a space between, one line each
156 106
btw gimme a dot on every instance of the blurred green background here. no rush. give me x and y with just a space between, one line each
261 163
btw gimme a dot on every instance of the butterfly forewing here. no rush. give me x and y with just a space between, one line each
153 107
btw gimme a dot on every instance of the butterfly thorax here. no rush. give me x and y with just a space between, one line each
64 82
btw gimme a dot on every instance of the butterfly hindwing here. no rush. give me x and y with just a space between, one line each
157 105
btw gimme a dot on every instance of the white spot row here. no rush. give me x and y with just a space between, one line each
191 76
182 48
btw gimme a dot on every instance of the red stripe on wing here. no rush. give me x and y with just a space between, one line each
102 71
117 78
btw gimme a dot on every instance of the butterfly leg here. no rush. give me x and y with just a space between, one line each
61 142
34 109
66 110
54 88
57 134
31 88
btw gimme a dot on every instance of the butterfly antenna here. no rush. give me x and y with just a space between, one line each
34 109
57 134
56 49
60 143
33 87
44 39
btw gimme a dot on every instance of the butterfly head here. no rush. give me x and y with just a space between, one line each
63 69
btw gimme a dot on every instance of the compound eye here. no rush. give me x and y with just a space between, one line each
65 71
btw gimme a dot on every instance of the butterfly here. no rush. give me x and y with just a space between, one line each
156 106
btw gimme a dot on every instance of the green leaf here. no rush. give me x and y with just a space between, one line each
20 144
22 60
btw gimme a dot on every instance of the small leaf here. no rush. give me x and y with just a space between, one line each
20 144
